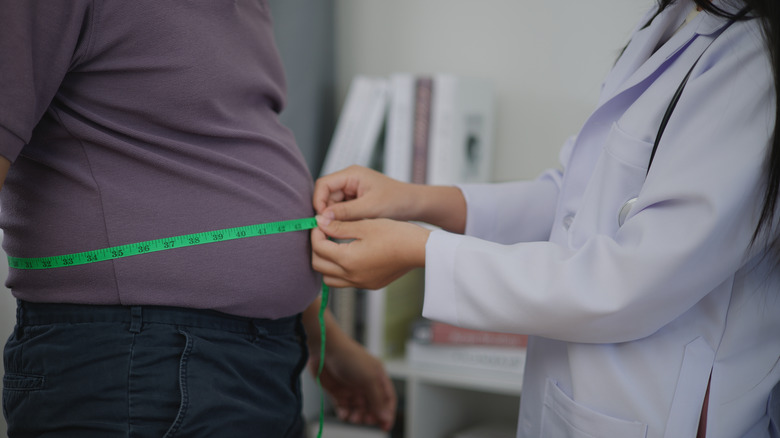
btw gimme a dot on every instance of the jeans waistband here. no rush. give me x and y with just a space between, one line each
31 314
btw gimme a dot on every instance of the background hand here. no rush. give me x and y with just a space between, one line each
357 383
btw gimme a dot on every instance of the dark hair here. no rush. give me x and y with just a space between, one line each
768 11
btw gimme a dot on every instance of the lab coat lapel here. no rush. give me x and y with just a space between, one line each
633 74
640 57
642 63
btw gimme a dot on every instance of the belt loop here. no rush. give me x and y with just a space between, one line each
259 331
19 318
136 313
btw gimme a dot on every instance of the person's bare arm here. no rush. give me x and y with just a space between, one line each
357 382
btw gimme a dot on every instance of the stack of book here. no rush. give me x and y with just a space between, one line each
432 129
438 344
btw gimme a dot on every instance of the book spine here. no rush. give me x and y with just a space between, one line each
421 130
359 126
448 334
484 358
400 121
434 332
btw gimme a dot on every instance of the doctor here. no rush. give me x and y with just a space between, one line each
652 291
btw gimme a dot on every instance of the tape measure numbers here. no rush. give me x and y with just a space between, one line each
131 249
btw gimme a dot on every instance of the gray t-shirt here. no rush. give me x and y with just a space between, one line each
136 120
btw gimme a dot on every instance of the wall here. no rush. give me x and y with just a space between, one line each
304 34
546 59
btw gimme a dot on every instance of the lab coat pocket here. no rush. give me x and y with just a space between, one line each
617 179
564 418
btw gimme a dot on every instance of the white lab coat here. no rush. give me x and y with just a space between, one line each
630 321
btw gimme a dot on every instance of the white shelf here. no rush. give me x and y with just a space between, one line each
441 400
455 377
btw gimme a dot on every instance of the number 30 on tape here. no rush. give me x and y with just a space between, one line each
131 249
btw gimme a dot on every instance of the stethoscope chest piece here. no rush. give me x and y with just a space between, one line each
624 210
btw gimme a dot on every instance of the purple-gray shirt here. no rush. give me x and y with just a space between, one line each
136 120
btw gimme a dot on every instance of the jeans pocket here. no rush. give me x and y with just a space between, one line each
16 386
22 382
183 389
158 394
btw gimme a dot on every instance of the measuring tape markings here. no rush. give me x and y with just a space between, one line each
131 249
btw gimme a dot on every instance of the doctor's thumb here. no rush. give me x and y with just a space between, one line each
335 229
351 210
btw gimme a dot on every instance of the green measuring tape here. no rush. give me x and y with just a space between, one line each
132 249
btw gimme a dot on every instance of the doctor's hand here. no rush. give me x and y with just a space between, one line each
372 252
358 192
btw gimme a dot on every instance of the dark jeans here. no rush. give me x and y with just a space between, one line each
114 371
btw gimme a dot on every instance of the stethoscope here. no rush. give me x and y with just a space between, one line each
626 208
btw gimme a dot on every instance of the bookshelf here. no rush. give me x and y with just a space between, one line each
435 129
494 382
440 401
435 402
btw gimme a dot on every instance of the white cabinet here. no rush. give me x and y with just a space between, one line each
440 400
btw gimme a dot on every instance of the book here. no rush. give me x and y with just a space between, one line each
477 358
439 129
460 148
360 125
390 312
413 128
426 331
421 128
397 160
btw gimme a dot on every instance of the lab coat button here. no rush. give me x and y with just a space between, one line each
567 220
624 210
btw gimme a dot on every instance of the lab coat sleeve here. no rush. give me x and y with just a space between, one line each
688 233
520 211
523 210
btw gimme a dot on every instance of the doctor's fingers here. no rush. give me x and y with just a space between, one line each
335 187
324 253
365 207
366 189
343 230
332 274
